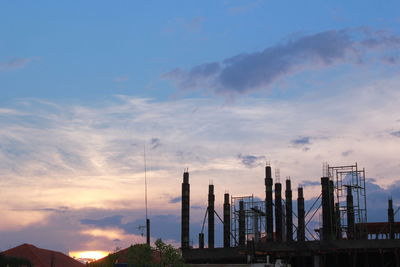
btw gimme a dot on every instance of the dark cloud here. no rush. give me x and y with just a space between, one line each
346 153
309 183
61 209
113 221
256 71
396 133
392 60
251 161
155 142
306 140
175 199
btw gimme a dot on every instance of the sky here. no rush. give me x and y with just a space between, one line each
219 87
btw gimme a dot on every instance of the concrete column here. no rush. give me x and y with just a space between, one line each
327 233
242 224
211 216
201 240
278 212
391 219
301 216
289 217
269 216
185 217
227 221
350 214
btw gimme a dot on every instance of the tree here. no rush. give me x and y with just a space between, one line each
168 254
140 255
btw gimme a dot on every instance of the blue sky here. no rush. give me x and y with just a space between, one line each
94 49
216 86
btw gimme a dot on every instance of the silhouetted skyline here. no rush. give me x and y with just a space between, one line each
219 87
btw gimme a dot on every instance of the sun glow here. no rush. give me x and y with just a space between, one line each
88 256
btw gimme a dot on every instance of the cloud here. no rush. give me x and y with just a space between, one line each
104 222
309 183
256 71
346 153
121 79
184 25
301 141
251 161
175 200
244 8
81 156
16 63
155 142
395 133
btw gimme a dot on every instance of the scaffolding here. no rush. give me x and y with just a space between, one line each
254 218
345 178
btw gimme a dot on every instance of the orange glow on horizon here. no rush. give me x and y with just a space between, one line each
88 255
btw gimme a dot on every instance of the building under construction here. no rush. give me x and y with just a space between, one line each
264 231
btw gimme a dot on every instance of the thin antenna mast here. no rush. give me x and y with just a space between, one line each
145 194
145 176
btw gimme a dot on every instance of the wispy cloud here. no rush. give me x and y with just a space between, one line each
16 63
395 133
155 142
251 161
259 70
244 8
84 157
185 25
175 200
121 79
306 140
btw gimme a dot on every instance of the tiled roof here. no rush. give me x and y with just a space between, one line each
42 257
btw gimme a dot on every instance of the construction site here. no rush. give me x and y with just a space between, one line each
271 232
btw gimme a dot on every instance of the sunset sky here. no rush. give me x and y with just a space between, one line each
216 86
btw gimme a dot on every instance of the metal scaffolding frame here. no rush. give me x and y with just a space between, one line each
343 177
255 217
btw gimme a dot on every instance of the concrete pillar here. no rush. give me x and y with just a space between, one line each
301 236
327 233
289 217
391 219
201 240
278 212
242 224
211 216
185 217
227 221
350 214
269 216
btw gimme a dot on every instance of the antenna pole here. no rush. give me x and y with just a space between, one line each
145 194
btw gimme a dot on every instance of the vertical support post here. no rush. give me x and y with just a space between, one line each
227 221
242 224
338 222
278 212
350 213
185 211
211 200
201 240
289 218
269 216
256 228
391 219
332 209
148 232
301 231
326 210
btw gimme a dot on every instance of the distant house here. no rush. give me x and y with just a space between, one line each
121 257
42 257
